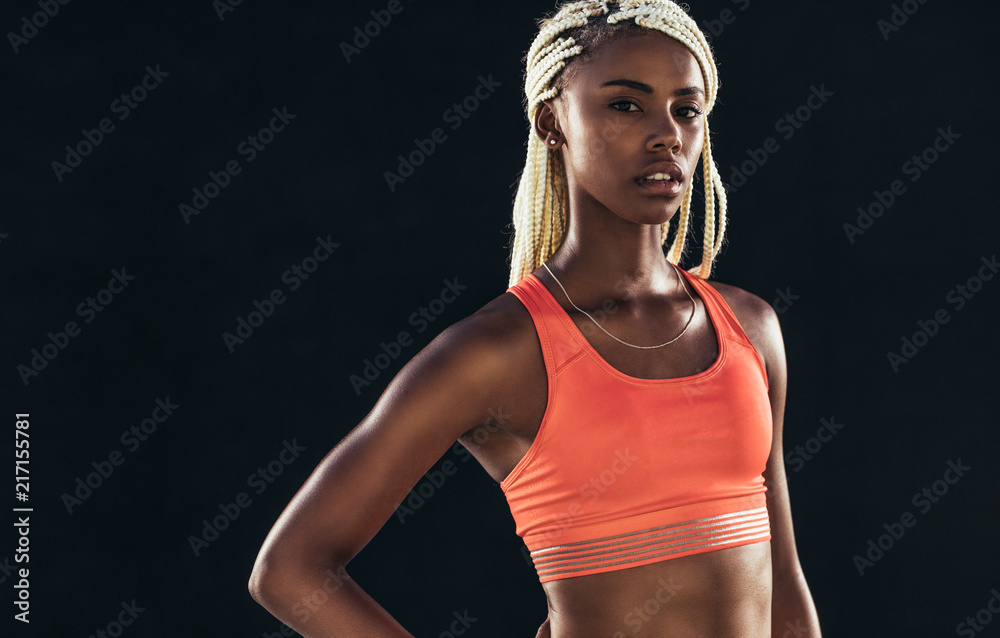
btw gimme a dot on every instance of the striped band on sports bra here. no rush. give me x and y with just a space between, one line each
693 536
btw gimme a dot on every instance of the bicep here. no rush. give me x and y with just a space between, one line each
441 393
784 556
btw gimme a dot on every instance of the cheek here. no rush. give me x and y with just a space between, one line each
594 130
597 142
696 141
588 161
613 126
594 155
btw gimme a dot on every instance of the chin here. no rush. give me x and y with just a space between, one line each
655 218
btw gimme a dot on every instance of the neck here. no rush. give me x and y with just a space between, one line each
606 257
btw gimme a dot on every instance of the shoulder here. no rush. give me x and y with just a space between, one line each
489 344
759 321
750 309
476 364
501 323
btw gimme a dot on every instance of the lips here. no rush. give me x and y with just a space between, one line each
663 168
662 178
667 188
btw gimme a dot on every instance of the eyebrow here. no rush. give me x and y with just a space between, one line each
645 88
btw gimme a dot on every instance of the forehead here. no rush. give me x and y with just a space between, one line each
652 57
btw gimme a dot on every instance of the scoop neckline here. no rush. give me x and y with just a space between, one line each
579 336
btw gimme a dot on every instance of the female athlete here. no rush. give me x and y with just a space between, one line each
640 451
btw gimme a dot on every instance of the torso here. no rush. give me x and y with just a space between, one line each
719 593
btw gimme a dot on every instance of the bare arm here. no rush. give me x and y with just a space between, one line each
444 391
792 608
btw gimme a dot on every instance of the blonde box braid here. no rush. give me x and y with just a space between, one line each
540 207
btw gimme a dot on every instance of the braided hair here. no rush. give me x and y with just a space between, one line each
572 34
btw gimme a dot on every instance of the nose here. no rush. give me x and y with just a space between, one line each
664 134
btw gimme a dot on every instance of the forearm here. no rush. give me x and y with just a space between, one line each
324 602
792 610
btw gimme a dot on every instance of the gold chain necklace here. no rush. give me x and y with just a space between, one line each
686 326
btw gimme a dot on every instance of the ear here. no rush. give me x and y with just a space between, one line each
546 124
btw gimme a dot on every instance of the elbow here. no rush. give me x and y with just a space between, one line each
263 584
269 574
258 585
282 572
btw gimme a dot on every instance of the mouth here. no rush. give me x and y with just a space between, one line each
669 184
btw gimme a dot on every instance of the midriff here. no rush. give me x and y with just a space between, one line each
710 595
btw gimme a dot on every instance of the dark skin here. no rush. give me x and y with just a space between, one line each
492 361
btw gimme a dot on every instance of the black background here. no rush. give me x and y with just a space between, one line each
324 176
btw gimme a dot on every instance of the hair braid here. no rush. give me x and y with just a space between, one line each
541 204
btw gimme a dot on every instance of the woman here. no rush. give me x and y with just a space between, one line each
635 450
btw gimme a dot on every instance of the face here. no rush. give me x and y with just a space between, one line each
636 108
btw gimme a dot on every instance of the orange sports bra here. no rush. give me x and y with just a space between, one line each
626 471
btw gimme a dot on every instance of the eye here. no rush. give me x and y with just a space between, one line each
690 112
625 109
